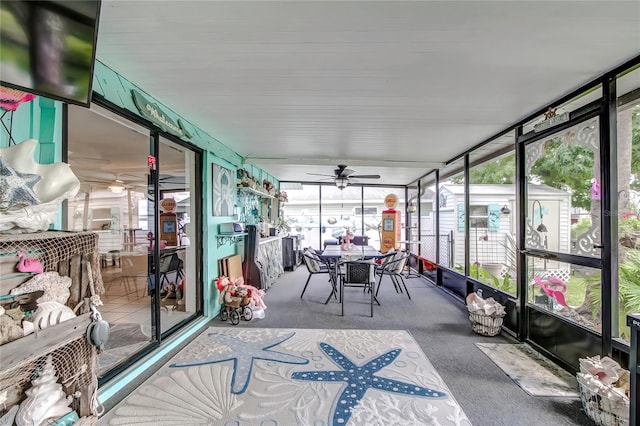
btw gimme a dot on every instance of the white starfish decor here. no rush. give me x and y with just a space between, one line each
32 190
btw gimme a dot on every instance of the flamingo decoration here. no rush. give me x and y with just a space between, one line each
29 265
558 295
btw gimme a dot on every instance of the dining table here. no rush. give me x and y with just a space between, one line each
333 254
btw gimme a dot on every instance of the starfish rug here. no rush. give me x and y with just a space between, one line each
235 376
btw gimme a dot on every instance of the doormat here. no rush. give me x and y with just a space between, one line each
235 376
534 373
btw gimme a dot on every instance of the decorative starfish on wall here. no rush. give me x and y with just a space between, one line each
16 189
243 354
358 379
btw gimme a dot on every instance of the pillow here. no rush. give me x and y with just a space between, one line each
311 260
16 189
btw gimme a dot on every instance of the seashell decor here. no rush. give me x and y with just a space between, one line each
45 399
30 192
54 285
51 313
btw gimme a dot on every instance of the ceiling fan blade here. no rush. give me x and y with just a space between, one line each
365 176
320 174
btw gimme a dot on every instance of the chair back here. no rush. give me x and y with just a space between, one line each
311 261
360 240
358 272
170 262
400 262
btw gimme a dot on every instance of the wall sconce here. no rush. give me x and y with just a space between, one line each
505 209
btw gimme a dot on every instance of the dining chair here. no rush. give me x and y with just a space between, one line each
360 240
315 266
393 267
358 273
169 264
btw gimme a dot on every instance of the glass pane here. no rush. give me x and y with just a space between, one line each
492 198
452 221
570 291
301 213
428 204
626 291
563 207
111 162
340 212
412 237
375 197
179 294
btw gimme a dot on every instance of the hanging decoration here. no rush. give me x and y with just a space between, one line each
10 100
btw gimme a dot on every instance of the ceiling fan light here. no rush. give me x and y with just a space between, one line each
341 183
115 188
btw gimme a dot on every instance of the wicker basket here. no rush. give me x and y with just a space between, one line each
601 410
237 302
487 325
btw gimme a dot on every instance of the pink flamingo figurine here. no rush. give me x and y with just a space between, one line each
558 295
29 265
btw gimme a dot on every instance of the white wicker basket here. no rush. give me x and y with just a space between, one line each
487 325
602 410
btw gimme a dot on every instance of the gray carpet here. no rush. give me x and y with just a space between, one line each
440 325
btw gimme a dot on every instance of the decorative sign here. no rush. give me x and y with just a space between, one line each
168 204
391 201
152 112
551 119
151 162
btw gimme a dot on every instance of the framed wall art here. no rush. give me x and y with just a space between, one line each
224 191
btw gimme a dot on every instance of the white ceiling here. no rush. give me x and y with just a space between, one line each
302 86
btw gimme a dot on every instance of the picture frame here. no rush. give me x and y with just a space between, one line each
223 190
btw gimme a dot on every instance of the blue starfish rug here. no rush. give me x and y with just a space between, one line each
235 376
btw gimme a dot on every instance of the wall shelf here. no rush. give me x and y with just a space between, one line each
223 239
255 192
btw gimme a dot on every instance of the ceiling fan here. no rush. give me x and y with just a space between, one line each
343 176
115 183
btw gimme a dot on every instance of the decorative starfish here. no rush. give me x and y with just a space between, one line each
16 189
360 378
243 354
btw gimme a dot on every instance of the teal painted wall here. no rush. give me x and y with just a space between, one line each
117 89
40 119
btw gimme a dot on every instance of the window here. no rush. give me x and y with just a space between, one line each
479 217
357 211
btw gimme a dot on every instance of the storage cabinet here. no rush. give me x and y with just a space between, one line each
290 253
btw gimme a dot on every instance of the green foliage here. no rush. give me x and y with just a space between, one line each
628 292
505 284
635 148
567 167
628 226
580 228
501 171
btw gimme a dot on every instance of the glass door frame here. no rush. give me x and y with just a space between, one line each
198 225
603 263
